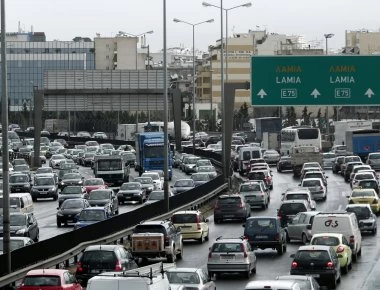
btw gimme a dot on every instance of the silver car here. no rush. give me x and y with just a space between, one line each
299 228
366 218
271 156
255 194
328 159
231 256
374 160
189 278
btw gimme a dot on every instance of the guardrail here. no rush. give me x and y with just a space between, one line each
52 252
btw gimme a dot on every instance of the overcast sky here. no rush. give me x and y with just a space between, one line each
66 19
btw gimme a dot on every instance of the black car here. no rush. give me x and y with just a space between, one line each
212 140
348 170
72 178
337 163
129 158
146 182
106 198
22 225
19 182
231 207
103 258
131 191
289 209
321 262
285 163
265 232
70 192
69 209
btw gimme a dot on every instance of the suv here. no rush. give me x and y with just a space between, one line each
231 255
19 182
289 209
22 225
348 168
44 187
262 174
299 228
265 232
231 207
255 194
320 261
299 193
103 258
337 164
106 198
155 239
285 163
193 225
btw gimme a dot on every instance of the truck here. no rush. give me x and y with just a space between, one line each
341 127
271 141
302 154
56 125
363 142
150 152
113 169
267 124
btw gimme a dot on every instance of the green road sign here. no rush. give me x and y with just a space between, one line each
315 80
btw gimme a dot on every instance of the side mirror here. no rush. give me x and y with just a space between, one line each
179 229
326 176
308 227
243 225
206 220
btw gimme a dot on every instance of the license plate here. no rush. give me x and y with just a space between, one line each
315 275
229 216
226 257
18 189
69 215
95 271
261 237
43 192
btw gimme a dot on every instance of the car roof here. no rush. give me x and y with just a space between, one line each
188 270
313 178
99 208
358 205
101 248
263 284
187 212
313 248
263 217
48 272
336 235
294 201
294 277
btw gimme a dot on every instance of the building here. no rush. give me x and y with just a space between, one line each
363 42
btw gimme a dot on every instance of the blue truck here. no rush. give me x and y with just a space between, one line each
150 152
363 142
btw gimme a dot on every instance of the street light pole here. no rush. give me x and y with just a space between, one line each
327 36
193 25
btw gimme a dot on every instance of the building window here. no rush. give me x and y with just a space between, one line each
46 50
57 50
107 57
27 50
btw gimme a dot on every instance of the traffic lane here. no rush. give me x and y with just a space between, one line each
269 264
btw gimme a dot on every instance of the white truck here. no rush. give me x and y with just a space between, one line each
112 169
302 154
151 277
271 141
341 127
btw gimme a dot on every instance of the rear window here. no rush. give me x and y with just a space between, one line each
42 281
298 196
98 256
368 183
227 247
360 212
184 219
292 208
250 187
326 241
261 224
257 175
310 183
149 229
229 200
362 193
316 255
374 156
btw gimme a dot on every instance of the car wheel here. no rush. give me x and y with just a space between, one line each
210 275
346 268
360 252
287 237
55 197
117 211
200 240
280 249
278 170
333 283
271 187
180 254
247 274
304 239
374 231
171 257
264 206
354 256
253 271
37 237
34 198
350 265
141 200
58 224
217 221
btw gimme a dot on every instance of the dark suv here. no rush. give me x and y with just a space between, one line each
104 197
19 182
231 207
321 262
103 258
289 209
265 232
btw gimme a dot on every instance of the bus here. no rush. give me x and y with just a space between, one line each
299 136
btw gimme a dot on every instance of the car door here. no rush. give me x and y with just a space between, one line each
175 235
297 226
32 226
204 225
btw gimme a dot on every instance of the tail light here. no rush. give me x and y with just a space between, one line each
216 205
277 237
118 266
198 223
330 265
241 205
210 254
294 265
351 202
79 267
340 249
375 201
279 214
245 251
352 240
246 237
262 194
320 188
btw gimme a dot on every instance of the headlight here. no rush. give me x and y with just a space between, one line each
34 190
150 188
80 182
59 213
62 183
136 193
52 189
21 232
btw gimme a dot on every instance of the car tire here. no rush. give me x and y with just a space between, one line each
34 199
287 237
355 257
279 170
247 274
217 221
346 268
271 187
333 283
360 252
117 211
37 237
280 250
141 200
59 224
253 271
172 257
55 197
304 239
374 231
210 275
201 239
180 254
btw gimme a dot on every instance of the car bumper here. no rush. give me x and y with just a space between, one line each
227 268
367 226
236 215
191 235
375 208
264 244
44 194
318 195
129 198
67 218
256 202
322 276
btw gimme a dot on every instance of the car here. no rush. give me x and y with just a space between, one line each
348 168
96 259
69 210
315 174
285 163
341 246
91 184
251 164
131 191
157 195
289 208
231 255
200 178
88 159
337 164
83 134
105 198
299 227
182 185
299 193
347 159
317 188
373 160
158 184
15 243
22 168
321 262
66 168
71 179
146 183
260 165
339 150
328 159
369 183
255 194
129 158
308 165
46 171
126 147
44 187
190 164
193 225
271 156
263 232
190 278
273 284
70 192
55 160
368 196
22 225
62 142
306 282
52 279
366 218
358 168
231 207
91 215
19 182
100 135
202 162
19 161
262 174
209 169
361 175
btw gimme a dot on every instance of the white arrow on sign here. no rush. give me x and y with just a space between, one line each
369 93
315 93
262 93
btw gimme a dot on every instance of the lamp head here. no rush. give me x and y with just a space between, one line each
176 20
210 21
329 35
205 4
249 4
149 32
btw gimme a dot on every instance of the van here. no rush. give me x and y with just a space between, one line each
19 202
342 223
141 278
245 155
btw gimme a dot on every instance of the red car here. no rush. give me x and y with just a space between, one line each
49 279
94 183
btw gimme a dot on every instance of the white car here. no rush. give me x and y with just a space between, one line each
317 188
157 181
56 159
328 159
361 175
189 278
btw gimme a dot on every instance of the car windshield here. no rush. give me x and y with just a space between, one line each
374 156
72 203
292 208
229 200
42 281
66 166
328 155
183 278
15 220
192 160
296 196
150 229
362 176
325 241
227 247
18 178
154 176
93 182
91 215
183 183
156 195
368 184
99 194
360 212
200 177
206 169
44 170
14 244
203 162
250 187
359 193
72 190
89 155
315 255
57 157
44 181
21 168
72 176
130 186
144 180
